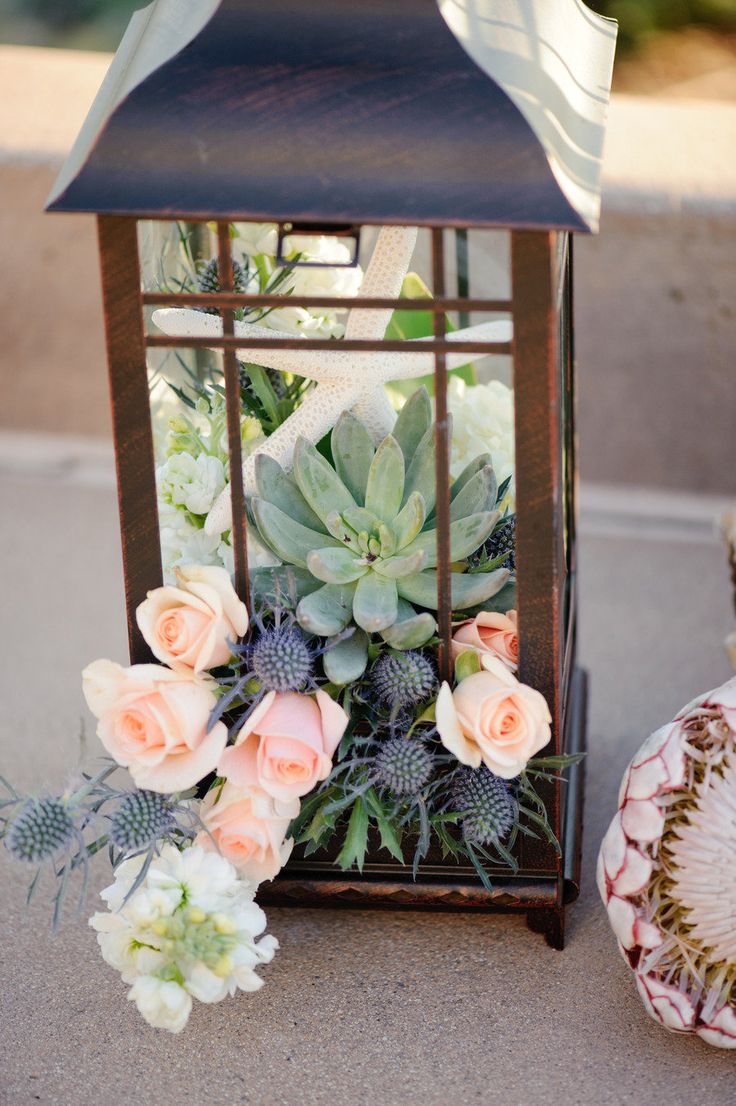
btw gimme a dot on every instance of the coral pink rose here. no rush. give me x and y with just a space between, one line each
287 744
489 633
189 627
154 723
492 718
249 828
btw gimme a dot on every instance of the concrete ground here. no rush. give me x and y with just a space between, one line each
360 1008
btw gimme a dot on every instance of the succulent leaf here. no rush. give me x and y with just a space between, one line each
409 520
410 631
276 487
361 520
385 488
387 539
375 603
340 531
420 476
288 539
318 482
413 422
404 565
469 472
336 566
280 586
345 661
478 494
467 590
466 534
326 611
352 451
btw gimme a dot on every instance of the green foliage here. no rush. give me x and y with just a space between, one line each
639 18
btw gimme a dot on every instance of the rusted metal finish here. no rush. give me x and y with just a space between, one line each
442 469
232 407
347 890
347 345
131 418
339 303
537 406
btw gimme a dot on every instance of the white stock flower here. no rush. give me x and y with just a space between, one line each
191 483
189 931
483 422
163 1003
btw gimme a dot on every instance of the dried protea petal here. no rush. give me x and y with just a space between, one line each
667 870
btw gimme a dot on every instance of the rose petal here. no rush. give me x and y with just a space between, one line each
451 734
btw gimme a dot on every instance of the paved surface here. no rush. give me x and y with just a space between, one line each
360 1008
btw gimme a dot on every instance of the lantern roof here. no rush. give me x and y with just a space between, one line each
459 112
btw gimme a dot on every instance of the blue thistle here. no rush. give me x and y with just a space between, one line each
487 805
403 765
403 679
42 829
208 281
141 819
281 658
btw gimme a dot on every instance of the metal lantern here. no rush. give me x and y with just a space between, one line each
333 118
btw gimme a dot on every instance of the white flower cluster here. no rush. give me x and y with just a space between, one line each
189 931
259 241
483 422
189 481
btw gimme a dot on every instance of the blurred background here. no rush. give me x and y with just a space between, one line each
664 44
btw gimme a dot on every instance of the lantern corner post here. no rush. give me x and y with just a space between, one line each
131 417
539 534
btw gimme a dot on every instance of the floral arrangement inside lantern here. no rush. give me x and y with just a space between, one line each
315 720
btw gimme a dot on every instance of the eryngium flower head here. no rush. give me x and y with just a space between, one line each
403 765
281 658
403 679
487 804
208 280
42 829
667 870
141 819
502 543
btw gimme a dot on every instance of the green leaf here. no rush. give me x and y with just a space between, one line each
406 564
335 566
356 838
276 487
345 662
326 612
352 452
282 585
469 472
466 590
420 476
318 482
414 419
288 539
478 494
409 520
466 535
467 664
359 519
410 633
375 603
385 487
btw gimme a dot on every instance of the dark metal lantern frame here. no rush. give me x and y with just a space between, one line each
334 115
541 309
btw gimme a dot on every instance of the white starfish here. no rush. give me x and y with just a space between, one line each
345 380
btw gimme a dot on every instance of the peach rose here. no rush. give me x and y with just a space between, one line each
249 828
154 722
491 718
488 632
287 744
188 627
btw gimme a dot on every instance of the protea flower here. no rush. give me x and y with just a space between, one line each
667 870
